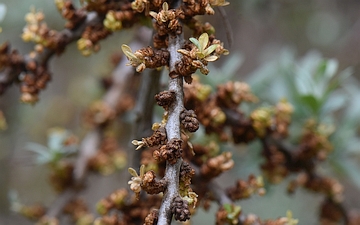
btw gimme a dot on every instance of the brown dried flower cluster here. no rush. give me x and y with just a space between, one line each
79 212
189 120
217 165
109 158
244 189
99 114
61 175
170 152
132 209
165 99
180 209
73 16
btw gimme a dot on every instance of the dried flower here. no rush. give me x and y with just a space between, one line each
180 209
135 182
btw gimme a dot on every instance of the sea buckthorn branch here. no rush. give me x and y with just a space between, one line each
229 213
173 131
169 34
270 126
283 159
34 64
121 77
144 110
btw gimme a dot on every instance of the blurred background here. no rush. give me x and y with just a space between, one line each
264 31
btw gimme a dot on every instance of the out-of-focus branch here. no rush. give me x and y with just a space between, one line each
8 75
90 144
173 131
150 82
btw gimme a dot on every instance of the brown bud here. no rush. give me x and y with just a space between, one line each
165 99
180 209
189 120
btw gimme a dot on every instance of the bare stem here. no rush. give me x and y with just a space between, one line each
173 131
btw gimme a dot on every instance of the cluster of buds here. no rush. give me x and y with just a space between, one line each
88 43
145 181
275 167
152 185
217 165
79 212
180 209
228 214
199 154
326 185
33 81
61 175
244 189
108 158
315 141
37 31
152 218
117 199
192 8
132 210
73 16
283 111
232 94
98 114
170 152
186 173
189 120
166 22
116 20
196 93
276 119
165 99
146 57
157 138
262 120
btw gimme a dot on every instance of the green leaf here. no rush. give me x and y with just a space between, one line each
133 172
128 52
203 41
195 42
312 103
210 49
211 58
228 208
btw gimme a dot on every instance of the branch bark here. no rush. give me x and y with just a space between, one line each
173 131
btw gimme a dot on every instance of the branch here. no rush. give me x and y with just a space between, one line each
9 75
173 131
89 146
143 111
